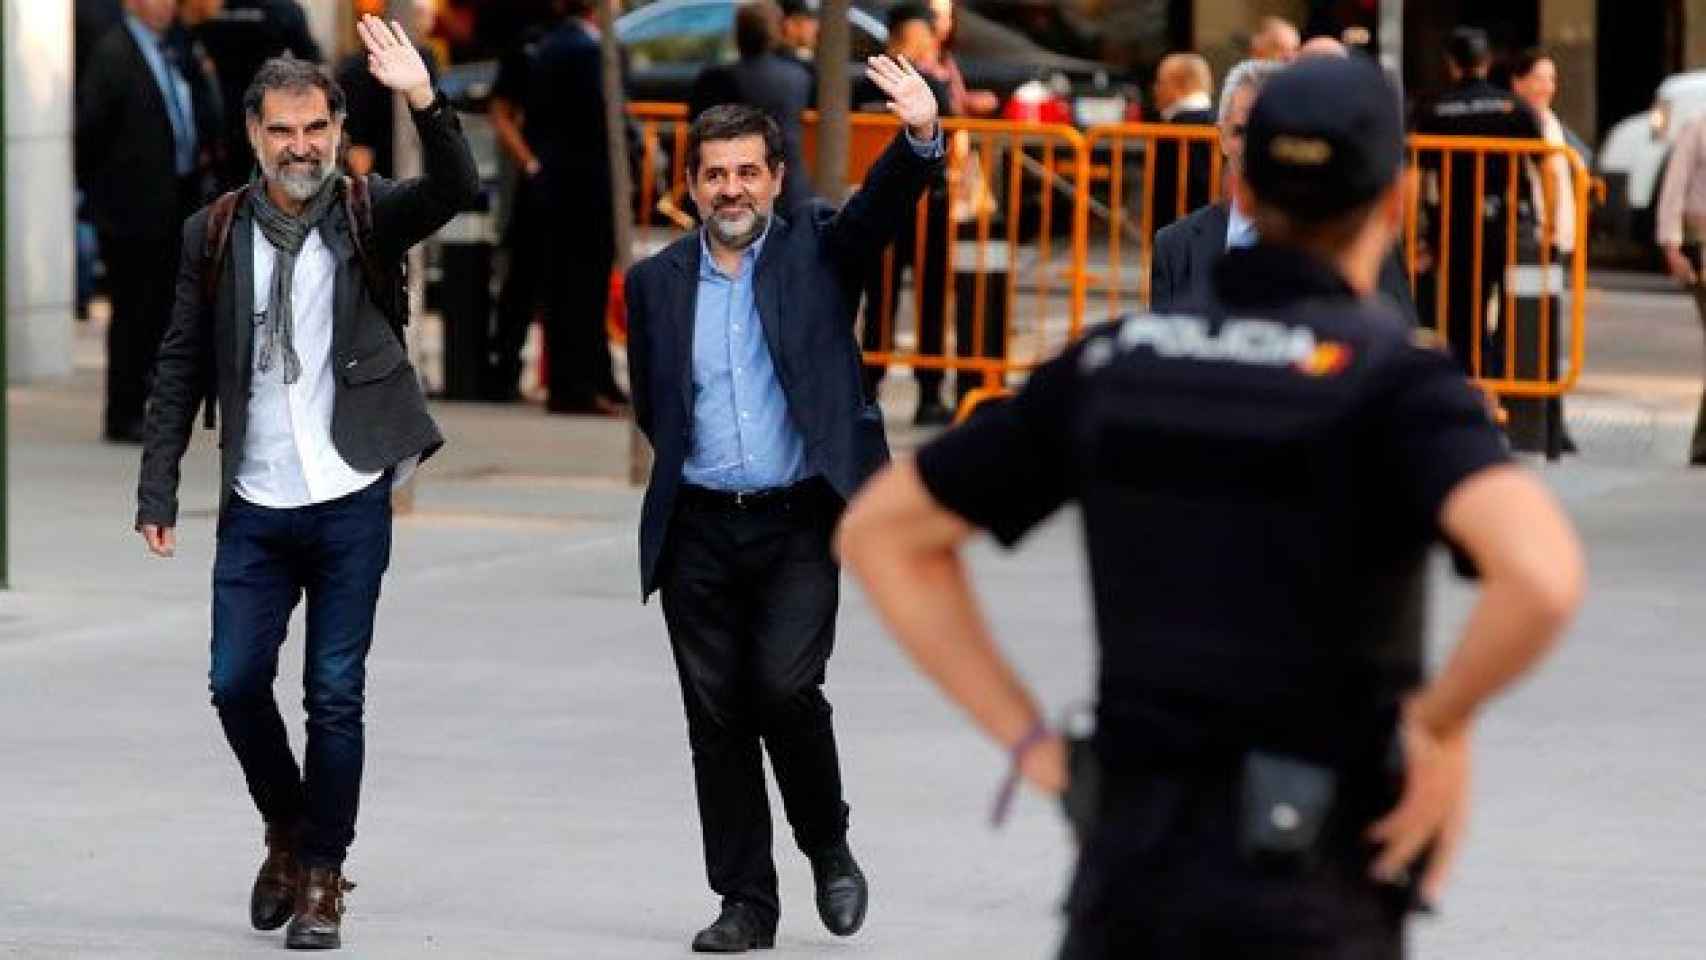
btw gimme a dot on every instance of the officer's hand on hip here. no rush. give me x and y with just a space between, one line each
1433 808
1044 765
909 95
162 541
1677 262
394 61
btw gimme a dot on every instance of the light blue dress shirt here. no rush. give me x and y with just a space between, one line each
1240 230
180 106
744 439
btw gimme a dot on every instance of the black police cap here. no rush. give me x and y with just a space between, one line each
1468 47
1324 137
799 8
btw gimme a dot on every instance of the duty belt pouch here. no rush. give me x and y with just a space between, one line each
1284 804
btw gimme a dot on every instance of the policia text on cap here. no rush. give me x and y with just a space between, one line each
1271 767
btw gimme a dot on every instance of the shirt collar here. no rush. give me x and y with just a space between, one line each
748 257
1240 230
1190 101
1270 276
143 33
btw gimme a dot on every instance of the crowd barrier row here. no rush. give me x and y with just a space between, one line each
1043 229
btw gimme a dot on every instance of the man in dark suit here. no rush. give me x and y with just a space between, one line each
780 85
142 166
1184 88
240 37
1182 265
548 112
746 381
320 413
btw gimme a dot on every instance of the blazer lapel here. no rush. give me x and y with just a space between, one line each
334 233
242 256
684 311
767 294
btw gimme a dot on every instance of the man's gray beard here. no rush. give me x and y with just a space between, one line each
741 240
296 186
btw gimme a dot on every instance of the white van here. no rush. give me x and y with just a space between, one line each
1633 156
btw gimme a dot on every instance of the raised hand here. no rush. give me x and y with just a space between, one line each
394 61
910 97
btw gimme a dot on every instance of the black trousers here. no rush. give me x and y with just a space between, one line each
1162 876
142 278
750 596
930 290
560 259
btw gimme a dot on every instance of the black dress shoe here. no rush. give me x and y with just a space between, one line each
273 898
739 928
931 413
319 910
842 894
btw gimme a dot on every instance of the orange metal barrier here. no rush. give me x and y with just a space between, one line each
663 174
1126 161
1004 246
1044 223
1470 259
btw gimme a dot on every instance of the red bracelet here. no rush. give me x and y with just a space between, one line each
1037 733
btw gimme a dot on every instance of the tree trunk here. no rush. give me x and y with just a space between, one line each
834 99
621 191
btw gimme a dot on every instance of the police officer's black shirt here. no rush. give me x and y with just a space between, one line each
1259 482
1477 108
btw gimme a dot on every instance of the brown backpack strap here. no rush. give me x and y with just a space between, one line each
219 216
218 240
384 286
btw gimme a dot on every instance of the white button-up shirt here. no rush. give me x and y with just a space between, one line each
289 459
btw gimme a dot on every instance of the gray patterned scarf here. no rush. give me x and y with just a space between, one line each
287 234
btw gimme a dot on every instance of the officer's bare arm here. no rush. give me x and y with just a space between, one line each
904 548
1532 574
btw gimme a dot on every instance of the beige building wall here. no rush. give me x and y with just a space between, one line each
1567 31
40 259
1223 27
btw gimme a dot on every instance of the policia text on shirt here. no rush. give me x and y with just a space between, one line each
1302 457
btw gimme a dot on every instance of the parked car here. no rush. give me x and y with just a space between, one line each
667 43
1636 151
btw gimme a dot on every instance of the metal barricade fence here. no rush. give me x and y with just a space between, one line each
1143 176
1042 226
1487 261
662 176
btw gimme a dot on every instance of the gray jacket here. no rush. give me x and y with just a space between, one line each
379 415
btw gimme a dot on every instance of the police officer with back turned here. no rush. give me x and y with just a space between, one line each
1277 776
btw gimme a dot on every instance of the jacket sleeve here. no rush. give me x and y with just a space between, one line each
639 350
1163 281
1673 194
408 211
183 371
97 112
871 218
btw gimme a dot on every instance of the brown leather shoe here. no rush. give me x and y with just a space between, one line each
319 910
273 898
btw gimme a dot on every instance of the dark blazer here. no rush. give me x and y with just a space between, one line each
1198 161
126 154
780 85
379 416
1182 266
807 285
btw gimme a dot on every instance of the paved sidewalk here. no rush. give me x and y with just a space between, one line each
529 792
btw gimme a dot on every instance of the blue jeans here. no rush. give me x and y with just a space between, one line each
335 552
